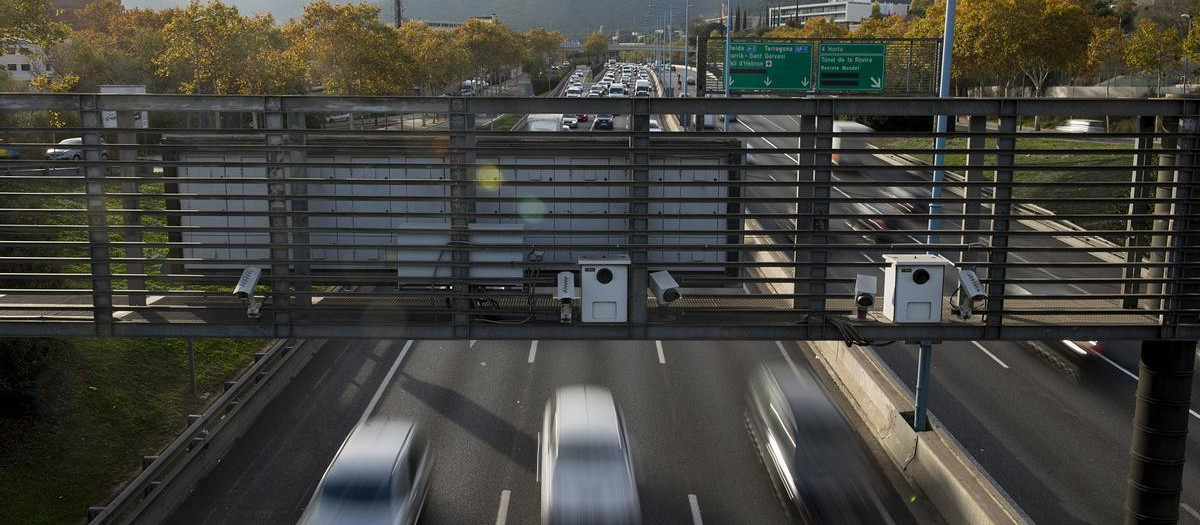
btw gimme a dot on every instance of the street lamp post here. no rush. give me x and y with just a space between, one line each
728 36
1186 63
686 23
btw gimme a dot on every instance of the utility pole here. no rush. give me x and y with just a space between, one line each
939 158
399 4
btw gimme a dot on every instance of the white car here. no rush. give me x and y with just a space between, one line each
72 149
585 462
570 121
654 125
380 475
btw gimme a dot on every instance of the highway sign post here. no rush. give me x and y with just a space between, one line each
762 66
851 67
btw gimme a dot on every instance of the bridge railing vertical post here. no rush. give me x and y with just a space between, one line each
973 192
94 175
277 217
804 219
701 75
1001 216
1136 228
462 205
132 220
639 209
301 254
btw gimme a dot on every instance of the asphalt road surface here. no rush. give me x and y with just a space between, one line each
482 402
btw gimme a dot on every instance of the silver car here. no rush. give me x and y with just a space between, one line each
380 475
809 450
585 466
71 149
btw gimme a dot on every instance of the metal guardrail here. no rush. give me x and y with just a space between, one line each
166 479
462 232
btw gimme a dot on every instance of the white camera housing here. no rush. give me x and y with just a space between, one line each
665 289
866 289
247 282
565 293
913 287
972 287
604 289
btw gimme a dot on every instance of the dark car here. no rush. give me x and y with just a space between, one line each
603 121
1072 358
808 448
582 117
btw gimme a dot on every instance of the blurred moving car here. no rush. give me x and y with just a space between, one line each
7 152
585 466
72 149
380 475
1072 358
807 445
1078 125
570 121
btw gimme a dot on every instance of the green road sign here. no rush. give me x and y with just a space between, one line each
760 66
851 67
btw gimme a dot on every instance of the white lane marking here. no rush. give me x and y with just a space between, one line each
1135 378
537 475
695 510
387 380
989 353
662 359
472 343
788 358
1049 273
887 518
769 143
532 350
1188 508
502 514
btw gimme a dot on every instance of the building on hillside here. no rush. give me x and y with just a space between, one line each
64 10
22 60
849 12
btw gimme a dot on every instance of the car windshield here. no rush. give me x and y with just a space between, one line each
604 115
357 488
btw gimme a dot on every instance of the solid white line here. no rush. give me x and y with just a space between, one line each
695 509
1190 510
532 350
1135 378
502 514
1118 367
662 359
989 353
887 518
788 358
387 380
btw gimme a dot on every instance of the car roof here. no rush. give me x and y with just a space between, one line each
587 413
373 448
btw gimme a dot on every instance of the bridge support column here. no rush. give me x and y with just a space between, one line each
1160 424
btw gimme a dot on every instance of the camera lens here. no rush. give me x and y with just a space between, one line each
605 276
921 276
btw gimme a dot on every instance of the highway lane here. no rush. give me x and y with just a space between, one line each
483 401
268 477
1059 447
484 406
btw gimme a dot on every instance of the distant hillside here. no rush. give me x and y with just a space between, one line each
572 17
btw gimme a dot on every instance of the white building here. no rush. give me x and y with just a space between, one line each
22 60
839 11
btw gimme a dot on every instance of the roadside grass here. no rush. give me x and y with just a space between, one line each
1055 190
104 404
506 121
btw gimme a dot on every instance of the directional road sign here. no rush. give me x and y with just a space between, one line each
851 67
760 66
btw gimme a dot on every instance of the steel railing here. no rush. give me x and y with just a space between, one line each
459 232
